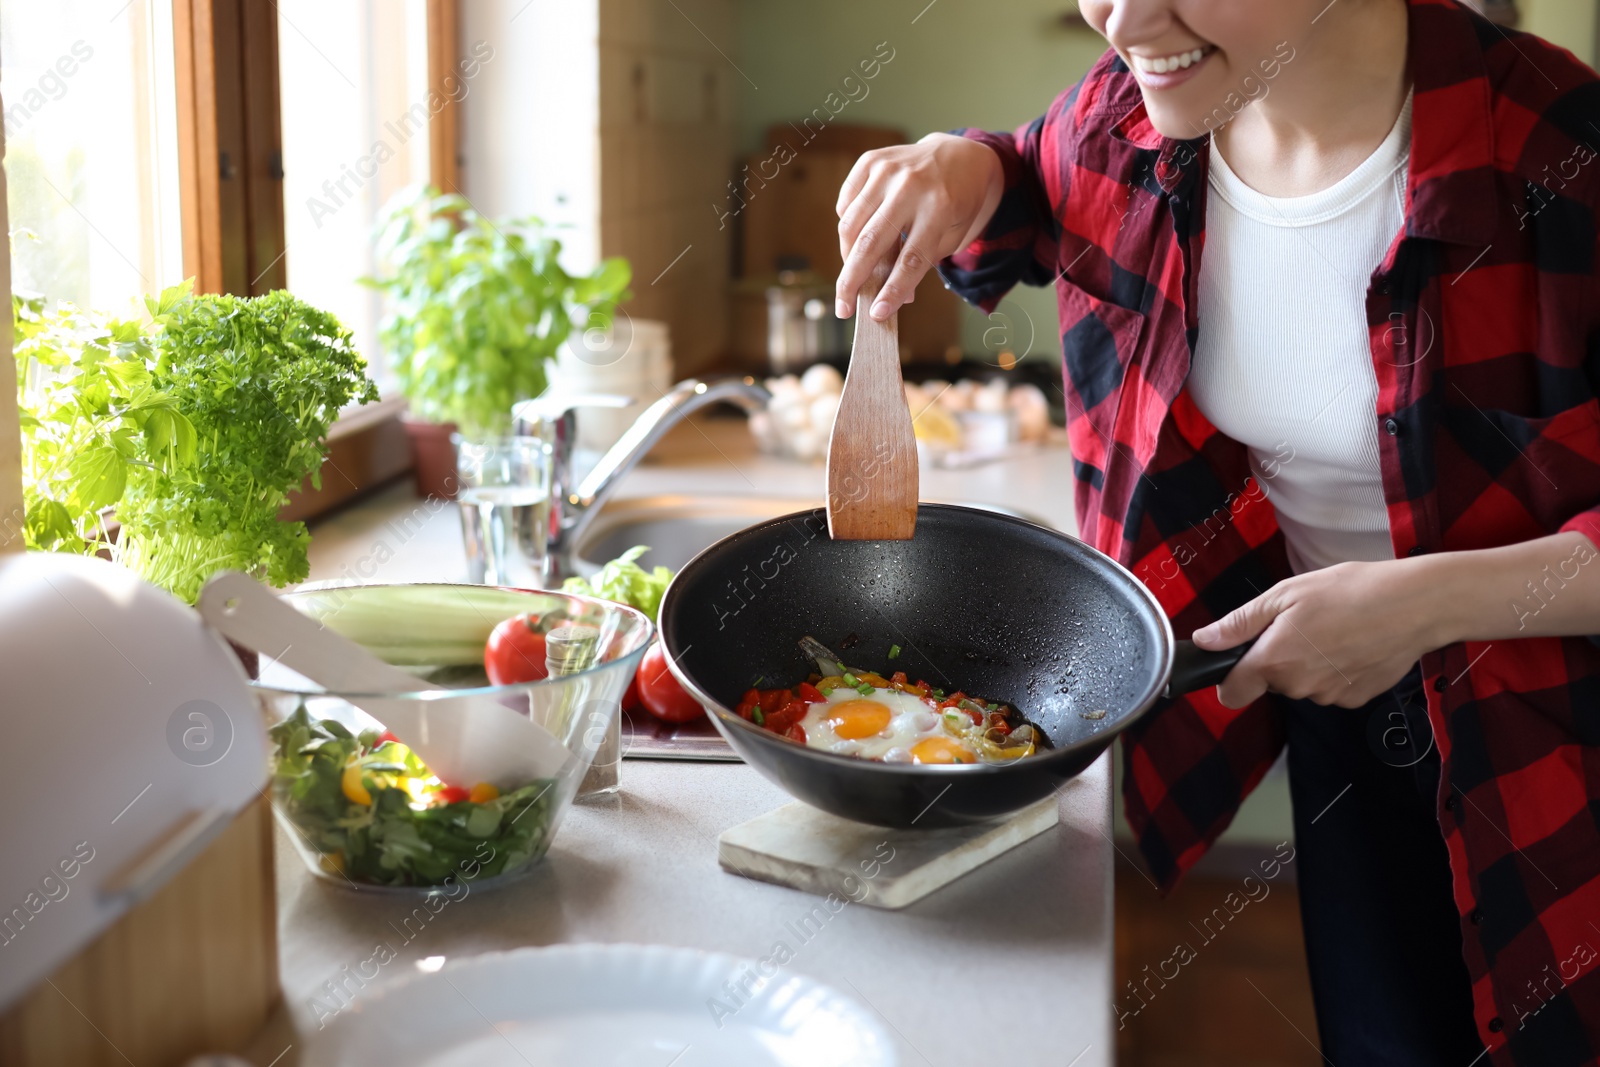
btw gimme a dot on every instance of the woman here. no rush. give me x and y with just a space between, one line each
1328 293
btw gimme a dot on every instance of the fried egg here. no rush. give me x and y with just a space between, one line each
887 724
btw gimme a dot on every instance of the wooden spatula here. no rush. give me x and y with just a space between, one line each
872 455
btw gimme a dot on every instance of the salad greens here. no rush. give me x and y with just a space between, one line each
625 582
409 832
195 426
476 308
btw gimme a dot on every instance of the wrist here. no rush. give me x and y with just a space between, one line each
994 187
1434 586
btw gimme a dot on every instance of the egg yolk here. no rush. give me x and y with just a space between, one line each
941 750
855 719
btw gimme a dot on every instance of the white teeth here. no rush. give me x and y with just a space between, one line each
1165 64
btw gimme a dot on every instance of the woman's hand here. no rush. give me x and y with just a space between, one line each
1347 633
938 193
1341 635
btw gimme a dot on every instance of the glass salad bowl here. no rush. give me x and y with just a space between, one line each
361 805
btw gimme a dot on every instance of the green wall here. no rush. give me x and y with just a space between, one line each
1568 23
956 63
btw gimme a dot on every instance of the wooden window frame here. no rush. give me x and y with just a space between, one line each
444 132
230 156
230 146
11 504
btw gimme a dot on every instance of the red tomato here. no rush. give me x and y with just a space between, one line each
515 652
630 699
811 694
452 794
660 692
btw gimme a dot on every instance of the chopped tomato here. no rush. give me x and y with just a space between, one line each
796 733
452 794
748 703
385 738
789 715
810 694
773 699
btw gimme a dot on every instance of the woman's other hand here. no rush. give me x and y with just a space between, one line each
939 193
1339 636
1347 633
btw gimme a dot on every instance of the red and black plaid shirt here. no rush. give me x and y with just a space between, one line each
1484 319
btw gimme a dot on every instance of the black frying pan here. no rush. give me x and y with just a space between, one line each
989 604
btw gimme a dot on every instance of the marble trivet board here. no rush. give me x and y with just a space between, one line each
808 849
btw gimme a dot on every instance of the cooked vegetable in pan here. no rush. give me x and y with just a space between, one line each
861 713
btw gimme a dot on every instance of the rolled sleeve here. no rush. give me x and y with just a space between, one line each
1022 240
1586 523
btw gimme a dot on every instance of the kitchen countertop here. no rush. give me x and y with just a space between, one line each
1010 964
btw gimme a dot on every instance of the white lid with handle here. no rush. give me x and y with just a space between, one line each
132 740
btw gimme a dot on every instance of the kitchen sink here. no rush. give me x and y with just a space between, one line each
677 527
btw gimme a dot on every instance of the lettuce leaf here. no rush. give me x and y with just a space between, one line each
625 582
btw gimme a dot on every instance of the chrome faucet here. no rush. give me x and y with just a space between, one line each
573 503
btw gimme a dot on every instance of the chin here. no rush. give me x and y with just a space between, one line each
1173 119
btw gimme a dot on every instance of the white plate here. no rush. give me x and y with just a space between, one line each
603 1006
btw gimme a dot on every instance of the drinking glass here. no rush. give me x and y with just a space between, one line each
504 496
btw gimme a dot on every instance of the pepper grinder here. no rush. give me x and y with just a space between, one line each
568 650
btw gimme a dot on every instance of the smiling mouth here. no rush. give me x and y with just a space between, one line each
1172 63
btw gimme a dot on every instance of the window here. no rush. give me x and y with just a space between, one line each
91 148
249 144
356 118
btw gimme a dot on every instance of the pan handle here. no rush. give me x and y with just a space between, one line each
1194 668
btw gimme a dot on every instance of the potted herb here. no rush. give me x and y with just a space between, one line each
476 309
193 427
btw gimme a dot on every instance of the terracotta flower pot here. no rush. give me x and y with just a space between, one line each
433 457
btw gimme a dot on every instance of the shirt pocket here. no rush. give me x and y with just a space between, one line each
1099 345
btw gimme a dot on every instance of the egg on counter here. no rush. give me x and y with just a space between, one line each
949 416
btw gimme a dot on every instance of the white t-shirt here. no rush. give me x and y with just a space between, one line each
1283 362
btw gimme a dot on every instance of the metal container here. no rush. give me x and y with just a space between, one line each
801 326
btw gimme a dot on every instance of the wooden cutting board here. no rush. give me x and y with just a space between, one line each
804 848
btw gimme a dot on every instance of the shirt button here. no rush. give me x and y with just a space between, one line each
1392 426
1450 802
1495 1025
1440 684
1476 917
1415 550
1383 287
